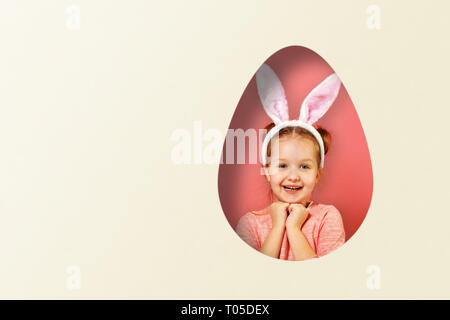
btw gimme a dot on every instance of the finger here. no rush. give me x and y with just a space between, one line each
282 204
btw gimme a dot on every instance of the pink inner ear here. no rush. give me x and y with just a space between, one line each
278 106
320 99
271 94
315 106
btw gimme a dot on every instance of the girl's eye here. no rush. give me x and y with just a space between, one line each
304 166
282 166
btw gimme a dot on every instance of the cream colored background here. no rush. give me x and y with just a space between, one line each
86 118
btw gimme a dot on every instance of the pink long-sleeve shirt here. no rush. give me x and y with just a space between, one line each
323 230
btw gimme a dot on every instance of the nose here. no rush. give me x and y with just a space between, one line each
293 175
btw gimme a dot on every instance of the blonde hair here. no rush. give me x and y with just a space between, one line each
300 132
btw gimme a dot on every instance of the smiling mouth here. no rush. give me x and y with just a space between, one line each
292 188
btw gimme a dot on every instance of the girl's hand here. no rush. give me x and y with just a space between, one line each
297 216
278 213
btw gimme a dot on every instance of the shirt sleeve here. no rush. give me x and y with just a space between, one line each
331 232
246 229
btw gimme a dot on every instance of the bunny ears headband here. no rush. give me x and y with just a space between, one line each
274 102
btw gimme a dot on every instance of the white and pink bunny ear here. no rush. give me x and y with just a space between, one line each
320 99
271 94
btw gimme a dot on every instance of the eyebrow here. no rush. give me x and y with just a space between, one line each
307 159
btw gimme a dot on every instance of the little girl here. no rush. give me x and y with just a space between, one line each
293 227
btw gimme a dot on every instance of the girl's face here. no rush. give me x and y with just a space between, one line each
293 171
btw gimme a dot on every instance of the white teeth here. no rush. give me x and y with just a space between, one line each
292 188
